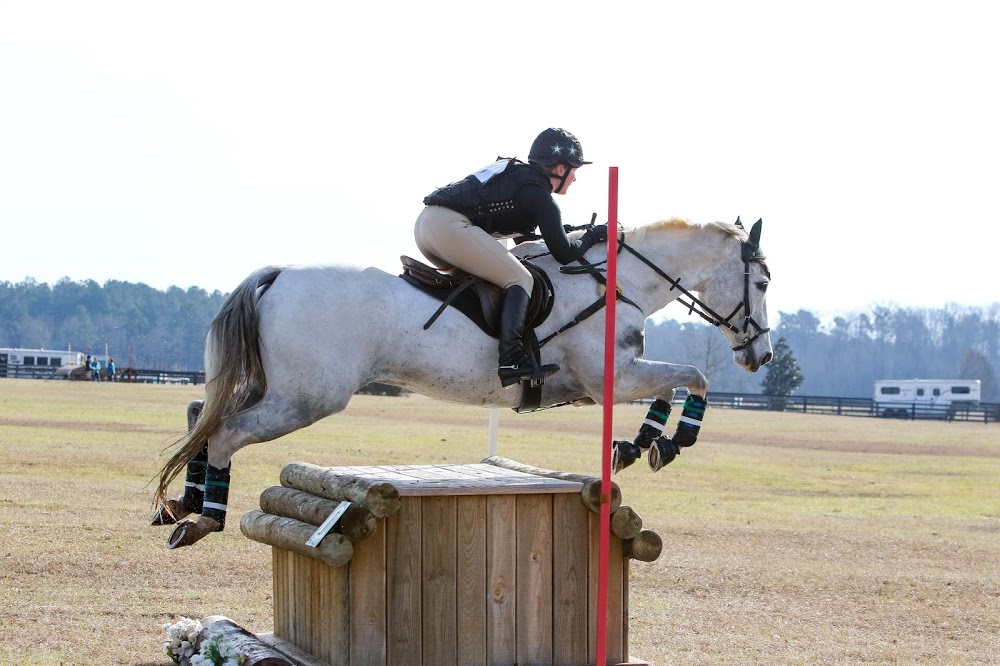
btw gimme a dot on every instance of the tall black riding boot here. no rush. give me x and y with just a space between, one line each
517 364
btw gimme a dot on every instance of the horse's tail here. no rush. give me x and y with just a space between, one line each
234 372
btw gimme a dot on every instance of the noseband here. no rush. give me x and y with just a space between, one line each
750 255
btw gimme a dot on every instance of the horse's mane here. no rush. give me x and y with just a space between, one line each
636 234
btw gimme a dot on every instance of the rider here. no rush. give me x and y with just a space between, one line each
505 199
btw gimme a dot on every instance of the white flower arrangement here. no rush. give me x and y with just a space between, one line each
182 637
217 651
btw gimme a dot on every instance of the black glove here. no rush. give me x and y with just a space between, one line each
599 232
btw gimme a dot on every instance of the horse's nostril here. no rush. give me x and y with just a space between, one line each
767 358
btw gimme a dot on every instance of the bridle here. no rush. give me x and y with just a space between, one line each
750 254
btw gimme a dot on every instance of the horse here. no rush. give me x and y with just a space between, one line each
291 345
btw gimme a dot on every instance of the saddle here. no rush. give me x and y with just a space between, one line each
479 300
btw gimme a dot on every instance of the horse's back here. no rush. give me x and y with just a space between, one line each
344 319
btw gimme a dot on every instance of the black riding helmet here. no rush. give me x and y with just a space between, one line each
556 146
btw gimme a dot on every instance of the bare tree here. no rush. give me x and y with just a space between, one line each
975 365
707 349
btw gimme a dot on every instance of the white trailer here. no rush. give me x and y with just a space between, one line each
927 398
19 362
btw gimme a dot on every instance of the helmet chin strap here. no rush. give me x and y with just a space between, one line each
562 179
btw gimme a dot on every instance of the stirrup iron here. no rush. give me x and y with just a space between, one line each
533 374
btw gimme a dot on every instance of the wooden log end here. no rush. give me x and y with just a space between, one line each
626 523
357 524
382 500
645 547
591 496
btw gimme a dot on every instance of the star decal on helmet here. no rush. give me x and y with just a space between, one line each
556 149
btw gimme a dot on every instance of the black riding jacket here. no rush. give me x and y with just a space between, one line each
509 198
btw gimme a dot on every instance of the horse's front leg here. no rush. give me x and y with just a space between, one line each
642 379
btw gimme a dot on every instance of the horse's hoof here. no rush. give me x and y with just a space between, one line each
169 513
189 532
661 453
623 454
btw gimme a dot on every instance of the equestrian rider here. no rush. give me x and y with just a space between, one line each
508 198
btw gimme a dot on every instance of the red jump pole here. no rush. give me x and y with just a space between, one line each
611 297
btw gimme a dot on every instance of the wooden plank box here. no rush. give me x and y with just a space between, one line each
481 565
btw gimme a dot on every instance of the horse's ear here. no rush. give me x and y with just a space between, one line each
755 234
751 247
738 223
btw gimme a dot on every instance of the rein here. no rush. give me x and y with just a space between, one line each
694 304
594 271
701 309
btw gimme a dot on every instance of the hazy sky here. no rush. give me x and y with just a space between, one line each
190 143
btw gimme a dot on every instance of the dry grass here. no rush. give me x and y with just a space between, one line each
789 539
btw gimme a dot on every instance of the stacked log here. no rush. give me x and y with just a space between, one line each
381 498
357 523
289 514
290 534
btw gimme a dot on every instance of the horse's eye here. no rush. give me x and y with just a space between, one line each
762 285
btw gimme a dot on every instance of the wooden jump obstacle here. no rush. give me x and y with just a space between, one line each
492 563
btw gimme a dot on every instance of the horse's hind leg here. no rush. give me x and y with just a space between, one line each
213 508
190 502
265 421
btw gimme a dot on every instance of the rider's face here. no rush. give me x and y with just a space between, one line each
557 174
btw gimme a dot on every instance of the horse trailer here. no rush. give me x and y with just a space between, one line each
17 362
927 398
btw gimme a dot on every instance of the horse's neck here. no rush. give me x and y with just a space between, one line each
685 255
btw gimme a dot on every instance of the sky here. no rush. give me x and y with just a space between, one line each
187 144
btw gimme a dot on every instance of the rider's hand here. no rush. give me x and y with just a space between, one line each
599 232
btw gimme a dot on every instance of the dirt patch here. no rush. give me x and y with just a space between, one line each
83 426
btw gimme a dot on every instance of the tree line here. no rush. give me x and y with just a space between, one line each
165 330
845 357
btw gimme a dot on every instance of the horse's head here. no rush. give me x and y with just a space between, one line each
723 264
736 296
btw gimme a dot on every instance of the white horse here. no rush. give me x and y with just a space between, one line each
292 345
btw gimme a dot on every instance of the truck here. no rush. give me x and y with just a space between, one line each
924 398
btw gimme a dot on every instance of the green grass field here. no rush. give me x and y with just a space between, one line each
788 538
